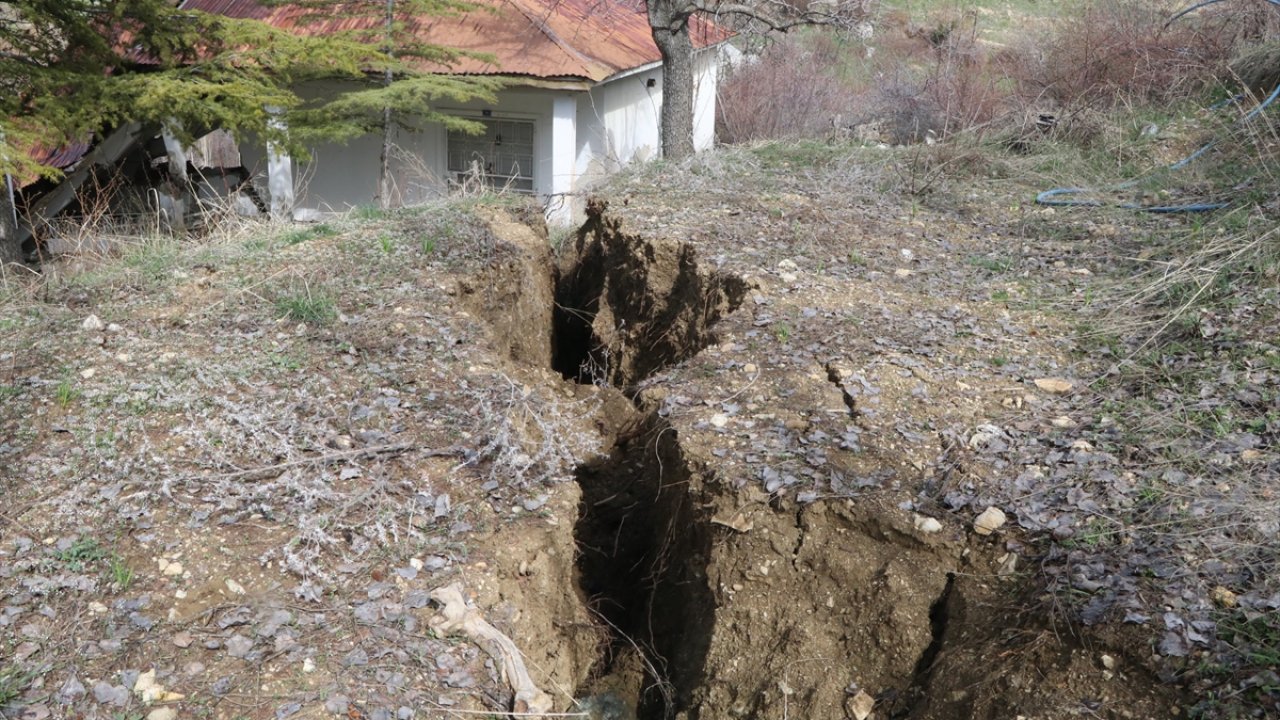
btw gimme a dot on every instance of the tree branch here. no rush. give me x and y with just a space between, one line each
821 12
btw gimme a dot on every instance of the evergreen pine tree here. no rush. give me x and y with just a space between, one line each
72 68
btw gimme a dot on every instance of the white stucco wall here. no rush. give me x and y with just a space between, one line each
706 76
579 137
339 176
619 120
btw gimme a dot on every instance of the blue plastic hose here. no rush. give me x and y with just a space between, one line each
1199 5
1049 197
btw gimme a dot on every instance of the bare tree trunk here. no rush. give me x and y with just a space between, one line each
10 248
670 24
384 170
384 181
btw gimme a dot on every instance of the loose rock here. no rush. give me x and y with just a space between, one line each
1222 597
859 706
1054 386
927 525
991 519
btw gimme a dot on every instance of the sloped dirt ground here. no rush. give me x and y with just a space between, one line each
722 456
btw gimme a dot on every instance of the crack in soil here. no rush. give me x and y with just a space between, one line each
835 377
627 308
939 616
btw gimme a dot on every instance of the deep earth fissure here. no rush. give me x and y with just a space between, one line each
626 309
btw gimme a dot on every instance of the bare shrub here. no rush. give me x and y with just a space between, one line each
930 77
964 84
956 88
1114 53
791 90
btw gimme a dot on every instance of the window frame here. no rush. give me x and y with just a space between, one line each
523 182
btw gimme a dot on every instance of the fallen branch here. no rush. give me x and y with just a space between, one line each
454 615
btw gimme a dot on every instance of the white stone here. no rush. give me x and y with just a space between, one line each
308 665
92 324
719 420
991 519
235 587
145 683
928 525
860 705
1054 386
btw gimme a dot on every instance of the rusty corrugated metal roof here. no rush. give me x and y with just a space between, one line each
589 39
61 157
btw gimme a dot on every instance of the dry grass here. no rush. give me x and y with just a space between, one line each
1258 68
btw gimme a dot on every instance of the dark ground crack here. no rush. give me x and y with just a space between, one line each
834 377
800 533
939 613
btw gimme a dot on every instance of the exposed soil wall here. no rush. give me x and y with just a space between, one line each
717 600
627 307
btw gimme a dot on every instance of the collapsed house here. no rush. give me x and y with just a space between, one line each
132 176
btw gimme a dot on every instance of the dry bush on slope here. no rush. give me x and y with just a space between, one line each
937 75
1111 53
791 90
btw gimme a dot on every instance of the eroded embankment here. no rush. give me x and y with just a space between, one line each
719 600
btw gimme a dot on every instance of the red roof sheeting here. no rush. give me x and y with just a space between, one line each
62 157
589 39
